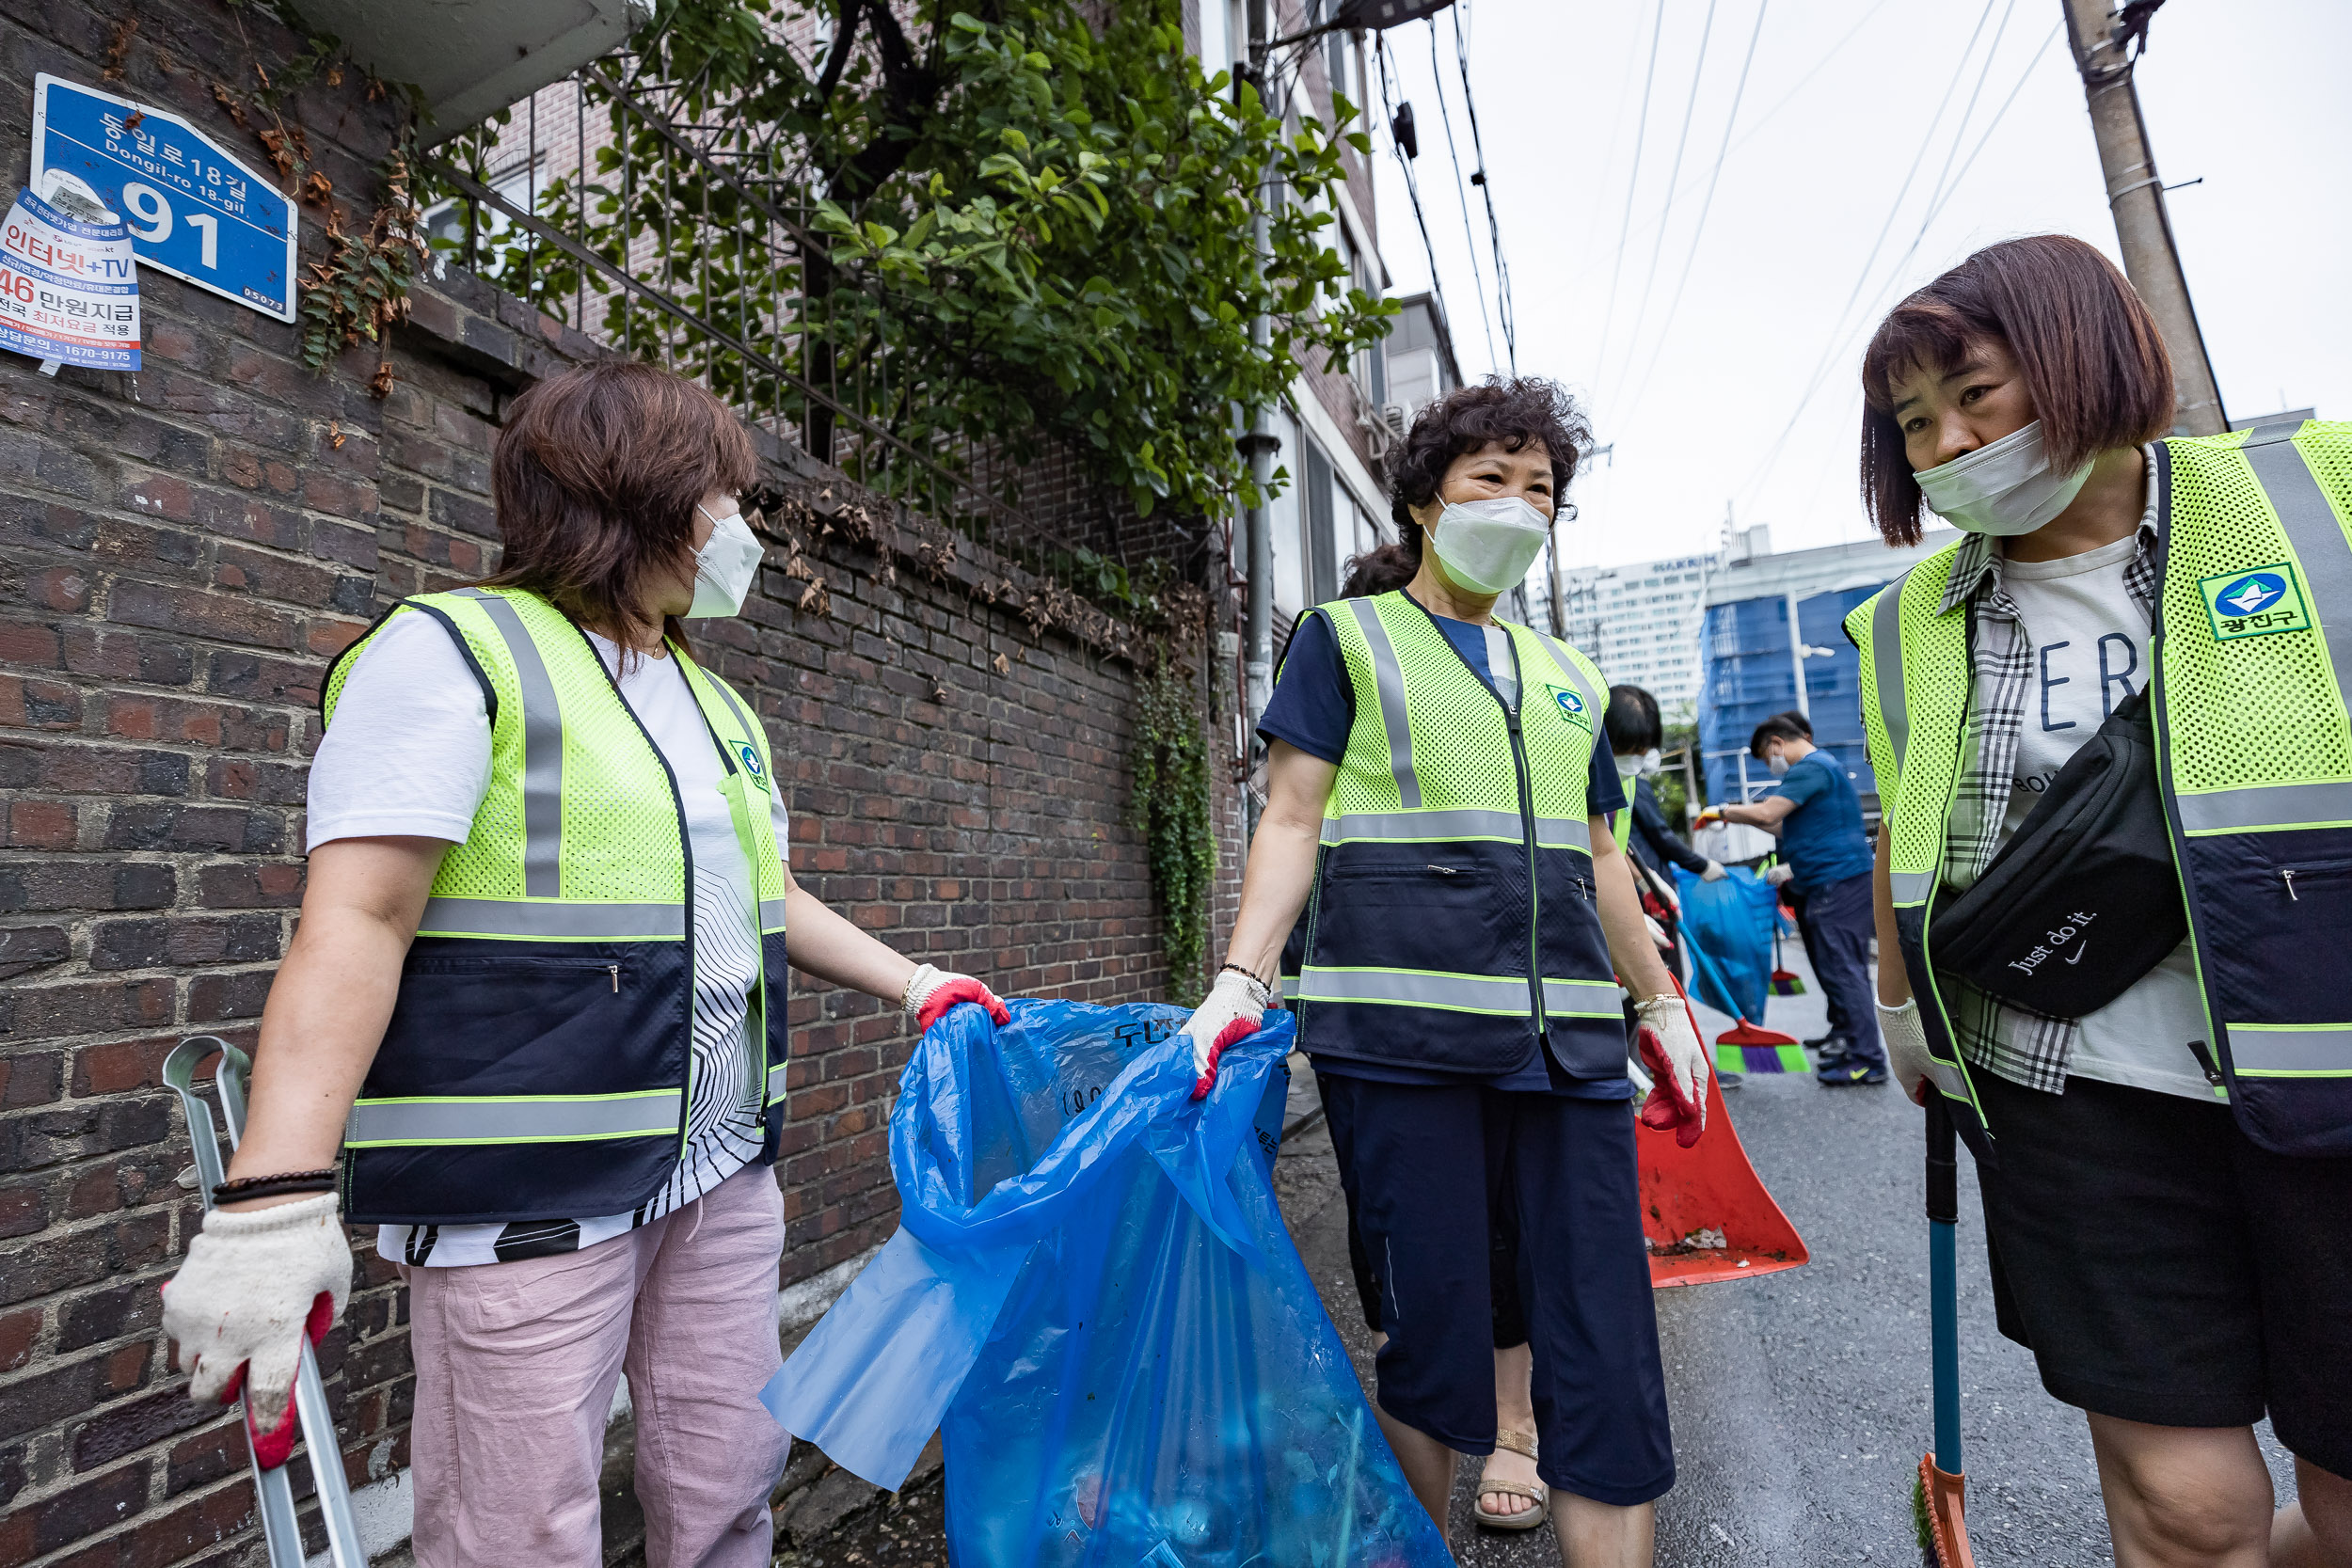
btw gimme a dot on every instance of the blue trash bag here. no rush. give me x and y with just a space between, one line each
1730 922
1093 1299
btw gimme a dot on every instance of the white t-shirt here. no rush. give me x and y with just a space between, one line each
2090 652
409 755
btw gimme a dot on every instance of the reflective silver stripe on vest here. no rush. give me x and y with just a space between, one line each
1596 705
2267 806
775 1082
1910 887
1387 678
2319 547
2260 1049
770 916
1461 994
1950 1080
1583 999
1425 827
1887 663
543 751
557 922
515 1119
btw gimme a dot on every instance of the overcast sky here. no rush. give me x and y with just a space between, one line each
1701 385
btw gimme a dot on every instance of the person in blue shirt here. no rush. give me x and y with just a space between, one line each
1818 818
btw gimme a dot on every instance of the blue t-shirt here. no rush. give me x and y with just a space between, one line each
1822 839
1313 708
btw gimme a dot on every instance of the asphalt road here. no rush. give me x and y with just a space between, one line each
1799 1398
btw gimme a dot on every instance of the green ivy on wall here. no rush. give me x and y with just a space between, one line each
1171 808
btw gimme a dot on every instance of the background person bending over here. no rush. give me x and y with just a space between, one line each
1436 786
1818 818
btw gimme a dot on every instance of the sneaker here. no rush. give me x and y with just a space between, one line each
1822 1045
1842 1070
1730 1079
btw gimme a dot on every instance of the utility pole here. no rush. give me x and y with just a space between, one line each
1257 447
2103 42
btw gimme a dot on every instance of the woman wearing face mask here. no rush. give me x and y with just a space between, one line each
1437 805
2155 1171
537 1002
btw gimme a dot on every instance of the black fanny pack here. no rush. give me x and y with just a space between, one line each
2084 899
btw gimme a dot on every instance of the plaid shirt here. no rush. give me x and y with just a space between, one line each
2023 1047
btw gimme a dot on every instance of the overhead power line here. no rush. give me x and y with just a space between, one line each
1633 184
1485 181
1682 141
1665 328
1390 107
1838 330
1461 189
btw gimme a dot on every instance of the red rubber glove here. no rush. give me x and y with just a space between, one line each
931 991
1668 1042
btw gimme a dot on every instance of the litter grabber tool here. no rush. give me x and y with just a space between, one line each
273 1488
1705 1214
1786 981
1938 1493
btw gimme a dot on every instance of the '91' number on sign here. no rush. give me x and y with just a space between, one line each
152 220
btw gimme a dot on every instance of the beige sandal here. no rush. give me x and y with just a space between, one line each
1538 1494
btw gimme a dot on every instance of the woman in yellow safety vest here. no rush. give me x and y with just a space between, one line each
535 1012
2165 1177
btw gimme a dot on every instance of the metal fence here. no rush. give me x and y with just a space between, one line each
690 239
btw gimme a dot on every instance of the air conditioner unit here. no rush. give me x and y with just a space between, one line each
1393 417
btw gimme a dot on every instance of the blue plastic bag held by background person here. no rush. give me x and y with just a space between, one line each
1093 1299
1730 919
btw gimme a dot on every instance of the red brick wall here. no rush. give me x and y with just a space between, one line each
180 552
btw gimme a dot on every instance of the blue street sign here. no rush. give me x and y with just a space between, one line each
194 211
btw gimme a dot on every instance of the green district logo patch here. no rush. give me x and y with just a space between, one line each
1571 706
750 754
2248 603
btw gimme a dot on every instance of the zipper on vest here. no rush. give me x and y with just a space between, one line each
614 970
1527 833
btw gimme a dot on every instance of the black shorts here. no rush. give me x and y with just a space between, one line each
1426 1165
2164 1267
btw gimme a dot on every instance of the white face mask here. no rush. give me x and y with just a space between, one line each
726 567
1487 545
2004 489
1628 766
1778 763
1651 763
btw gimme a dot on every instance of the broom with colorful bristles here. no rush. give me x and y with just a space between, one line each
1937 1494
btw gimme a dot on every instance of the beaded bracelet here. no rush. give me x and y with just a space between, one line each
1246 973
281 1185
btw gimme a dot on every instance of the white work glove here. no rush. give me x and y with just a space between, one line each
254 1283
1656 933
1779 873
932 991
1906 1040
1714 872
1669 1045
1232 1012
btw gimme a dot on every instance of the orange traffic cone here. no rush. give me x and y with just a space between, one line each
1704 1213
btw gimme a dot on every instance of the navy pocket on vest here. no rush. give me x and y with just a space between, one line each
2269 906
1444 908
548 1019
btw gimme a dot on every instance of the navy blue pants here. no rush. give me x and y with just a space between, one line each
1837 925
1428 1167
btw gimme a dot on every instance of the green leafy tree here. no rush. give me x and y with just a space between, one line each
1016 225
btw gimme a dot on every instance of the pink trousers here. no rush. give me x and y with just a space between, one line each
515 1367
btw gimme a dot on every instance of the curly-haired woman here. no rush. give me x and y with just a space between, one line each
1437 805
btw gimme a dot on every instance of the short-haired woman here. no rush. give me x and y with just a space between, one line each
537 1002
2165 1177
1436 804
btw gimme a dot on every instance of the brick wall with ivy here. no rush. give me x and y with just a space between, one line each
183 550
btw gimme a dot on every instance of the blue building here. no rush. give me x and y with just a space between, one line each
1773 640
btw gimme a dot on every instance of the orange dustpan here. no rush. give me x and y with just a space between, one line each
1704 1213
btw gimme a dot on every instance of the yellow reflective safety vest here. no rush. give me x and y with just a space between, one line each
537 1065
1452 923
2252 668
